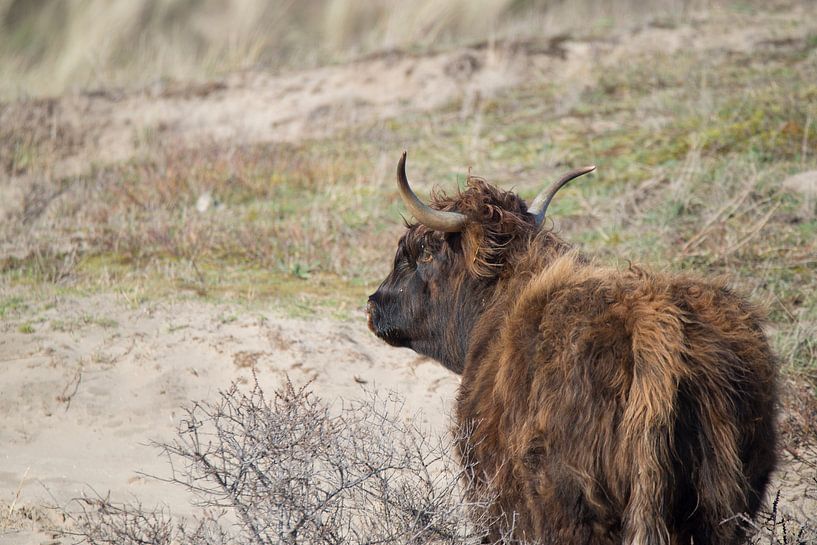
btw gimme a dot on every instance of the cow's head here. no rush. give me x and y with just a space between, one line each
448 265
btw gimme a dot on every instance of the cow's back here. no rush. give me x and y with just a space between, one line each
608 405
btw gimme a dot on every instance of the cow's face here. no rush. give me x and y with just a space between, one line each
416 303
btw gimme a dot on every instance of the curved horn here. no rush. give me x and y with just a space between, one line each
438 220
542 200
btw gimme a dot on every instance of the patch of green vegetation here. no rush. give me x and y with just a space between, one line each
12 304
218 280
26 328
225 319
78 322
44 265
101 321
22 157
761 126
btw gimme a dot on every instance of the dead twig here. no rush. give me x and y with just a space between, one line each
726 210
66 397
17 494
753 232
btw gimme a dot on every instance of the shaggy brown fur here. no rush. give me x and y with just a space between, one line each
605 406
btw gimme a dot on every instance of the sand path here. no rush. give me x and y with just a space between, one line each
85 392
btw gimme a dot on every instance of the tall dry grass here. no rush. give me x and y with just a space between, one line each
50 46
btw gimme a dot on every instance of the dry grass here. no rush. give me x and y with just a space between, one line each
48 47
242 221
691 151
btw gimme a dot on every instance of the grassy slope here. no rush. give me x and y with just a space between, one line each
691 152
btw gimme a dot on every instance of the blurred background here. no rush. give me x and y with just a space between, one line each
48 46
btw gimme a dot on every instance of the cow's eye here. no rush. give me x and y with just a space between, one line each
426 256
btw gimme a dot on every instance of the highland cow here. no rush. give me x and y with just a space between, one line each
604 406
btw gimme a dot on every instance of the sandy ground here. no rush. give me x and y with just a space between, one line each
83 394
98 379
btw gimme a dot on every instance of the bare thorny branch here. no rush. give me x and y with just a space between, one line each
291 470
